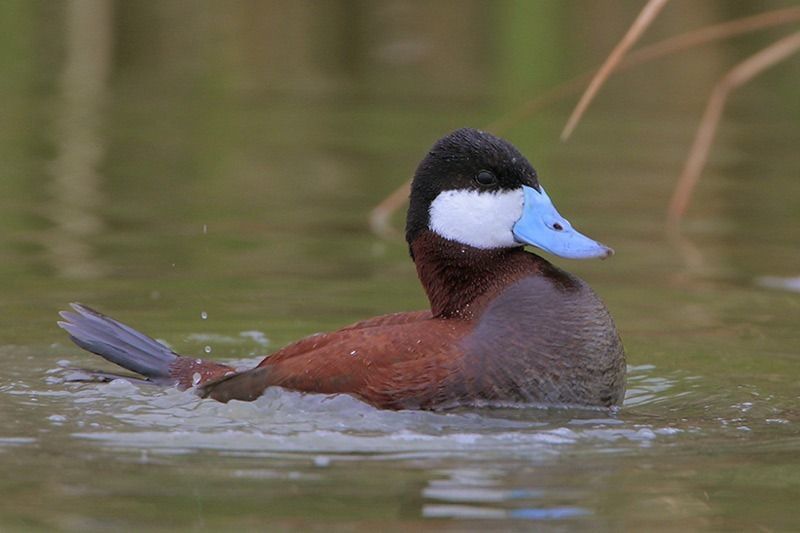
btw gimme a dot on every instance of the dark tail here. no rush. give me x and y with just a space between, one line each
119 344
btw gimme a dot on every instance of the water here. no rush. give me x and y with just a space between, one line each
221 204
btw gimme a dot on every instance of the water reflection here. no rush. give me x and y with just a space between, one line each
493 513
791 284
76 185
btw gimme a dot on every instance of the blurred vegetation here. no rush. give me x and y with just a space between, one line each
128 127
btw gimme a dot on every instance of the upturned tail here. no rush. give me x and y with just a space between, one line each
135 351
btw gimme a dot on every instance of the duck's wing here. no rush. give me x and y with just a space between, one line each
320 341
404 362
393 319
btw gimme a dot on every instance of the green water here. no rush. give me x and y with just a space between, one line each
220 160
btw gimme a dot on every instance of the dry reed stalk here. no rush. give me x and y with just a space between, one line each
737 76
671 45
707 34
642 22
380 215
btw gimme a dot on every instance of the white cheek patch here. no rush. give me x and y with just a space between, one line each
480 219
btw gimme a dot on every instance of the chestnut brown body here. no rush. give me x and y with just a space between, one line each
516 330
504 324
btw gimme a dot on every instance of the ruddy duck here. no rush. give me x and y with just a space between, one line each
504 325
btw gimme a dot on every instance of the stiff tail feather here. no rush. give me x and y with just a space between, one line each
135 351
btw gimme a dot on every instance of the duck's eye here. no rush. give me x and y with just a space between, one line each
486 178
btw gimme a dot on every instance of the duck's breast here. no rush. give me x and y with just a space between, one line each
546 339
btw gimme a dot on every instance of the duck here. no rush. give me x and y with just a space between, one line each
504 327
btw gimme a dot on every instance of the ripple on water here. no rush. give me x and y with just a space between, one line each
10 442
128 415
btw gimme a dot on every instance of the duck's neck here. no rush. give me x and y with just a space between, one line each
459 279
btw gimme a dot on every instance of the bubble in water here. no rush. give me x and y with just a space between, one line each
203 315
207 349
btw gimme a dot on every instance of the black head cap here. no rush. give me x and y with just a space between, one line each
465 159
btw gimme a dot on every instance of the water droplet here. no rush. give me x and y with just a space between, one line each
353 352
203 315
196 377
207 349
